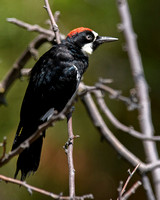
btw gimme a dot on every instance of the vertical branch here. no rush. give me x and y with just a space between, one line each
53 22
70 157
147 187
142 90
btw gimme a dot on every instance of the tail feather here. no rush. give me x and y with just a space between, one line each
28 160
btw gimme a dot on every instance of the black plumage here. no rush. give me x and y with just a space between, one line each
53 81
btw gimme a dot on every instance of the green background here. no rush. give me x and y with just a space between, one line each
98 167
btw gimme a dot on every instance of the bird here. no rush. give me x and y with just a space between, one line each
53 81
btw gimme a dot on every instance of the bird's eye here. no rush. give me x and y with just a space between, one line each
89 37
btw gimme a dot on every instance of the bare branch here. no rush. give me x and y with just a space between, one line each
128 179
107 134
14 72
118 124
31 188
30 27
70 158
115 94
121 190
142 91
53 22
147 187
151 166
38 133
131 190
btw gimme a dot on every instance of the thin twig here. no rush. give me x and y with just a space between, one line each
31 188
131 190
128 179
53 22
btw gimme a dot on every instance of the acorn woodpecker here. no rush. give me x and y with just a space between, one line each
53 81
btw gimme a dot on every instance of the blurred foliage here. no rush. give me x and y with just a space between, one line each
98 170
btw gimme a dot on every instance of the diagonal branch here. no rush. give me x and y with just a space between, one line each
127 181
31 188
38 133
107 134
118 124
30 27
131 190
14 72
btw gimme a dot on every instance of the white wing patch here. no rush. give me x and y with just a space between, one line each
78 74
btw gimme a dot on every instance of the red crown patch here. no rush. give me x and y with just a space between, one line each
78 30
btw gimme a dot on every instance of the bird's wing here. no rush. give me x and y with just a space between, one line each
52 84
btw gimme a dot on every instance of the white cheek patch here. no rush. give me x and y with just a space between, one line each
88 48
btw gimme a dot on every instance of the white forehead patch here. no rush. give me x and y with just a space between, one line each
95 35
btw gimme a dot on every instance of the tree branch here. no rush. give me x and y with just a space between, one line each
118 124
131 190
31 188
38 133
142 90
115 94
53 22
30 27
147 187
70 157
99 123
14 72
127 181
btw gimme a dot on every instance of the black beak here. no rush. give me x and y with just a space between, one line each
103 39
